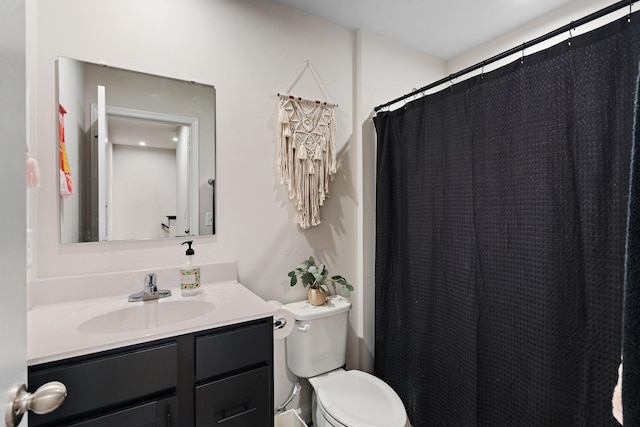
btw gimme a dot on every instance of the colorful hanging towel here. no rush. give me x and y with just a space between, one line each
66 183
306 157
33 172
616 400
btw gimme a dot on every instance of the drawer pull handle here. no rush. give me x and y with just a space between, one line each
239 414
169 419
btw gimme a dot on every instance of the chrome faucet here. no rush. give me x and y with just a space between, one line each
150 290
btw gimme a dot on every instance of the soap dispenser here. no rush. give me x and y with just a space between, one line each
189 274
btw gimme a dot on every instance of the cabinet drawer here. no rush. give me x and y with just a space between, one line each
240 400
152 414
234 349
109 380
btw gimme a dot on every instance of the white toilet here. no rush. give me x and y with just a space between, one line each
316 350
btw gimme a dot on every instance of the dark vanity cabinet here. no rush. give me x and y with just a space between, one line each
136 383
221 376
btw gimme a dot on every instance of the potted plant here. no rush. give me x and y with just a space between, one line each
315 277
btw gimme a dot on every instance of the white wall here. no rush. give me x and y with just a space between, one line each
144 192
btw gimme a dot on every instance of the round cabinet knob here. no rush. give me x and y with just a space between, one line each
45 399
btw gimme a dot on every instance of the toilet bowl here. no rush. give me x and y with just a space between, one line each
316 350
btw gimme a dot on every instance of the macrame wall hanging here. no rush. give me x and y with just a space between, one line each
306 153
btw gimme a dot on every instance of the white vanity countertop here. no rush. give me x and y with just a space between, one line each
54 332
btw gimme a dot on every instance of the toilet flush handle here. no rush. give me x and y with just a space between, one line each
305 327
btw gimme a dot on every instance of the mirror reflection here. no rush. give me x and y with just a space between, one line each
140 154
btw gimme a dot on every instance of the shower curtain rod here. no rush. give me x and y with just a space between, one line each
564 29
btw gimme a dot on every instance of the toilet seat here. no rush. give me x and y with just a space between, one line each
328 418
355 398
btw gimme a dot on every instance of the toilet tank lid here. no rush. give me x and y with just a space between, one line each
302 310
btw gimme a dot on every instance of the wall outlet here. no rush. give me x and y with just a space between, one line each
209 220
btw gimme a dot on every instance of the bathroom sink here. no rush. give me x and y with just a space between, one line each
146 315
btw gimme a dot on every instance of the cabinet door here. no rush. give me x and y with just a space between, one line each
108 381
160 413
234 349
240 400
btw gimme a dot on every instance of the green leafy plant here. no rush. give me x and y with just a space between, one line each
316 277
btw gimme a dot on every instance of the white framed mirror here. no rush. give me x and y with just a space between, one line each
141 150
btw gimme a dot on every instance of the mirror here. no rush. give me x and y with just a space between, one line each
140 150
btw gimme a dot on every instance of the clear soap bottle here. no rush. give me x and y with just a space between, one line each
189 274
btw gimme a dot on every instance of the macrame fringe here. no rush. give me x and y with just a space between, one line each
306 155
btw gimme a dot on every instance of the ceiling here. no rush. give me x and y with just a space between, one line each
132 131
441 28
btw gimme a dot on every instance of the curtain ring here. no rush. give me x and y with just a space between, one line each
522 54
570 33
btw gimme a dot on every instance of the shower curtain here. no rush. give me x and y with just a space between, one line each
631 312
500 239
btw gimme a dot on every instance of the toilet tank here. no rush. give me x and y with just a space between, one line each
318 342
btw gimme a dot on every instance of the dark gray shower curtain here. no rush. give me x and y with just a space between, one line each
500 238
631 335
